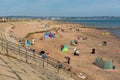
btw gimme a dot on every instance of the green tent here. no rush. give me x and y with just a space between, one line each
104 64
65 48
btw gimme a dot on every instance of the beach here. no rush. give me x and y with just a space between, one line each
82 63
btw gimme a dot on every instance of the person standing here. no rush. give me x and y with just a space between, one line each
93 51
33 41
34 52
68 59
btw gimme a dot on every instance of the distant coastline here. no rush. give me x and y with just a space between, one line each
67 18
110 23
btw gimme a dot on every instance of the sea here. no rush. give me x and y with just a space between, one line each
113 26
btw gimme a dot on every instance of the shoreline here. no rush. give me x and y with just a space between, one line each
102 28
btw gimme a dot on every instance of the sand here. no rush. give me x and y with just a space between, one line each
82 63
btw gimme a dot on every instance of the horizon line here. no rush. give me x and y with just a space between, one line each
57 16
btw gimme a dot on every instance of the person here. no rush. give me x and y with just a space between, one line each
34 51
75 49
93 51
41 52
75 41
77 30
60 65
20 41
54 33
104 43
33 41
62 30
76 52
44 56
68 59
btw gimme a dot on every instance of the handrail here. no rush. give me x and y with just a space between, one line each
17 47
24 52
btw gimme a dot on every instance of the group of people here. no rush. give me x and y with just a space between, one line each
76 53
23 42
43 54
104 43
81 37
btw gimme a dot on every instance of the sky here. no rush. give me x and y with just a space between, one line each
72 8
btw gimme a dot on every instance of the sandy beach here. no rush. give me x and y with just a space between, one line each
82 63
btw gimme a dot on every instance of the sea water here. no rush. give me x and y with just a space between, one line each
111 25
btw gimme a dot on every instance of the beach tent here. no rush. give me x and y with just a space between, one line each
46 36
65 48
50 35
53 36
47 33
104 64
108 64
28 43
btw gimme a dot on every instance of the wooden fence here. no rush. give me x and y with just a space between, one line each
29 57
12 48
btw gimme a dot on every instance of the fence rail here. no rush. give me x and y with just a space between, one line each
16 49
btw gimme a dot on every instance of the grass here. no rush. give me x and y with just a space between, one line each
29 34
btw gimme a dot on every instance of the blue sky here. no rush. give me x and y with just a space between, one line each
59 7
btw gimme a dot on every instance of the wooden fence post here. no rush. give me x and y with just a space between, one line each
58 67
1 33
7 48
26 56
2 43
71 72
47 61
33 56
43 63
19 53
19 50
